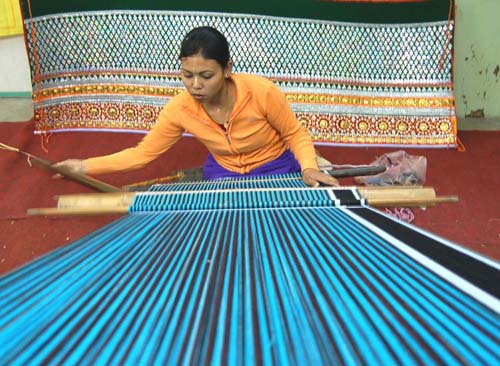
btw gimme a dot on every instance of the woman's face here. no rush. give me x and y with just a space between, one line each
203 78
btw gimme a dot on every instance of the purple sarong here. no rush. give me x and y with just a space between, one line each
285 163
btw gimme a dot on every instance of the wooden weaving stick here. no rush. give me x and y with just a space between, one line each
80 178
119 202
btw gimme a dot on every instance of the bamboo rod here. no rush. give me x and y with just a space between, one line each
116 199
77 211
119 202
412 202
371 194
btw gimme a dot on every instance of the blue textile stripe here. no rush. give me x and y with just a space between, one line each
282 190
202 284
292 180
280 286
239 199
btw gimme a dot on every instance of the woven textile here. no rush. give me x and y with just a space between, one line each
260 271
348 83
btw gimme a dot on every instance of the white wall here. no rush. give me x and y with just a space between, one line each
477 58
14 68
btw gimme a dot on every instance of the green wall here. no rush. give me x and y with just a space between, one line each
477 58
430 10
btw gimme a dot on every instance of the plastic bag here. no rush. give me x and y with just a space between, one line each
402 169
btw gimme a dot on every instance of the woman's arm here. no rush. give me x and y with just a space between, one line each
162 137
282 118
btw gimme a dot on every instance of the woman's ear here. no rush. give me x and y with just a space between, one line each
228 69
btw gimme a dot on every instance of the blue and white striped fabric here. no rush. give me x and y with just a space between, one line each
247 286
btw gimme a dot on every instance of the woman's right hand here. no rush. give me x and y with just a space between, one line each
72 166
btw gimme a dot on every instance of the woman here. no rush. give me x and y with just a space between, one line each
244 121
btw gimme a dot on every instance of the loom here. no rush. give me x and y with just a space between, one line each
261 271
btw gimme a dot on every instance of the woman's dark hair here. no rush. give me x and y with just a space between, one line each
208 42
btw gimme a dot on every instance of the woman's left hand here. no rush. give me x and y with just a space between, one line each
314 178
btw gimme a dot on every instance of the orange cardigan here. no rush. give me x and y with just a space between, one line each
261 127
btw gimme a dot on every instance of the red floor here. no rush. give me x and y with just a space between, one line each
473 175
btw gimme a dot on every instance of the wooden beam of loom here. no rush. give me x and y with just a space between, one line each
65 172
119 202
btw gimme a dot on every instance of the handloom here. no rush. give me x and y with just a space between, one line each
121 202
261 271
